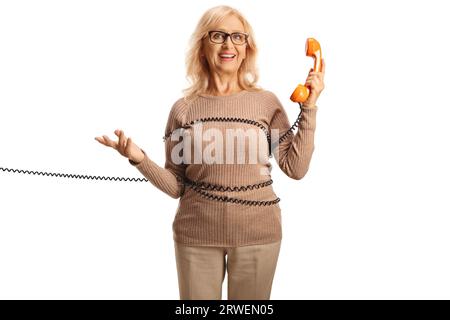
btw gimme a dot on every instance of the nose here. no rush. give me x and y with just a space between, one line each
228 42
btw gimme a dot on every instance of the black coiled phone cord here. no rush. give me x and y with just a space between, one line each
76 176
201 186
243 120
198 187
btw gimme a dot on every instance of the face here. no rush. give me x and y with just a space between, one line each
213 51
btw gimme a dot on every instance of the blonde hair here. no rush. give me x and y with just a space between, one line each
197 69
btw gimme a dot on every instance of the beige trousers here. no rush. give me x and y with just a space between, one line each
201 271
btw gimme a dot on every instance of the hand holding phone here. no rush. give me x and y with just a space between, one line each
312 48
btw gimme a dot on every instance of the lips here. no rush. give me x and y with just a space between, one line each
227 55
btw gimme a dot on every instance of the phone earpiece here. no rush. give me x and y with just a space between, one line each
312 49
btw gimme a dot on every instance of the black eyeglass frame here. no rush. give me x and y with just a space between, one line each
226 37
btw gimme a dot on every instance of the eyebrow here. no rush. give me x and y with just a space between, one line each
220 29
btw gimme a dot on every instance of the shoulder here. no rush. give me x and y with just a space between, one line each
267 93
178 109
269 98
178 105
176 115
270 102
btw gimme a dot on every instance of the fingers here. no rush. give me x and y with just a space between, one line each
128 143
315 79
118 134
101 140
124 140
122 144
104 139
322 69
121 140
312 81
107 142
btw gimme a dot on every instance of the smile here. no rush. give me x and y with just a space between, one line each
227 57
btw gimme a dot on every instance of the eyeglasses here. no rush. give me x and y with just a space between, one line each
220 37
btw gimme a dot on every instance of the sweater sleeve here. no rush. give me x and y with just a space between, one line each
293 154
170 178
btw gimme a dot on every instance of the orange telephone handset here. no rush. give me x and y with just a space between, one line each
312 48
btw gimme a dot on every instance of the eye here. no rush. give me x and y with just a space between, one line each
217 36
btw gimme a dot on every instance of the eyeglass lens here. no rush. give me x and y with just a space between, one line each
219 37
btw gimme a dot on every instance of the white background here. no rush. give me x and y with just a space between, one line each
369 221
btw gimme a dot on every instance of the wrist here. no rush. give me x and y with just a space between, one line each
136 161
308 105
312 98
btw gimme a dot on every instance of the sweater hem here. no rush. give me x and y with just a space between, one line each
203 244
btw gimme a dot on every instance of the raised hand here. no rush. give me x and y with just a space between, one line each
124 146
315 84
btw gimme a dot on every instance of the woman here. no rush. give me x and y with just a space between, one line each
228 217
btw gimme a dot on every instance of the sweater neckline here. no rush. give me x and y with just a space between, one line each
230 96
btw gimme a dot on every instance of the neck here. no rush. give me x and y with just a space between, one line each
223 84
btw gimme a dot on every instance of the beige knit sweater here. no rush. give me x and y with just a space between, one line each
208 214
